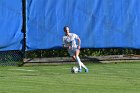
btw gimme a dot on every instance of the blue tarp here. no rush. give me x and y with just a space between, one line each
10 25
99 23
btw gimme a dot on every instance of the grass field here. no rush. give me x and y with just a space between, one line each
102 78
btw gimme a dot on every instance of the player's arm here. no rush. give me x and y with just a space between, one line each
79 42
64 44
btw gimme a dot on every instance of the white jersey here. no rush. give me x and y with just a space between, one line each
70 40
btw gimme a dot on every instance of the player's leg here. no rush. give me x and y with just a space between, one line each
73 57
79 61
72 54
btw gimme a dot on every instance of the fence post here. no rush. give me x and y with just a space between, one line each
24 27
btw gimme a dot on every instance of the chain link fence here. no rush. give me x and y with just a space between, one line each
62 56
83 52
11 58
18 58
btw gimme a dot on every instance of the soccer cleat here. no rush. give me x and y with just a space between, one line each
86 70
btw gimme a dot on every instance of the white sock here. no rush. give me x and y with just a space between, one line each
83 66
78 60
80 63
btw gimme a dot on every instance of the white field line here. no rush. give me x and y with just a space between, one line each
64 68
33 70
21 70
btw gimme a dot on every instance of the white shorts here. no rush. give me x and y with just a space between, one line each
72 51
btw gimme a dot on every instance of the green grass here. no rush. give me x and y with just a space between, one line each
102 78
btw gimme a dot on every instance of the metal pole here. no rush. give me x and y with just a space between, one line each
24 26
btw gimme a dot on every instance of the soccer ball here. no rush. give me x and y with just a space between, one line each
74 69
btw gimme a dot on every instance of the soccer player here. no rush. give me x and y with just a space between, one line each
69 42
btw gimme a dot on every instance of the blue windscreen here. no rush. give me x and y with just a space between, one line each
99 23
10 25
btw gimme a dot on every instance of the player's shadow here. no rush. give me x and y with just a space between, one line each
91 59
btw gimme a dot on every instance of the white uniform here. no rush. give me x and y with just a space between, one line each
71 41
